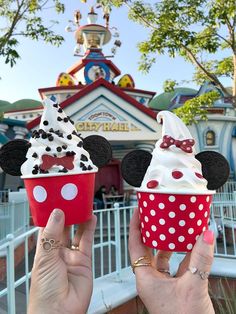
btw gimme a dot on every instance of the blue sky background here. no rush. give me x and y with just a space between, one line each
41 63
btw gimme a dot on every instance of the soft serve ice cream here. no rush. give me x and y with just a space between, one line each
56 148
173 166
58 172
173 200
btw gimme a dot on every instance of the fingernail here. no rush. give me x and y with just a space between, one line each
208 236
57 214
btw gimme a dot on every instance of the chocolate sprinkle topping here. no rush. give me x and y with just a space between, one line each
84 168
59 149
50 138
83 158
69 137
90 168
44 135
59 119
34 171
64 146
51 130
48 149
35 155
63 170
55 105
80 144
59 110
66 119
45 122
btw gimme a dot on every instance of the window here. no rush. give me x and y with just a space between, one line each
210 138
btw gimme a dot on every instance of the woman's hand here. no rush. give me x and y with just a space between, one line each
62 278
187 292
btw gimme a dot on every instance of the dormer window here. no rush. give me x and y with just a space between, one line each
210 138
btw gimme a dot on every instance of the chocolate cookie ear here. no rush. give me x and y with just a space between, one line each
13 155
215 168
134 166
99 149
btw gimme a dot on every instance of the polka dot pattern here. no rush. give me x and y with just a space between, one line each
69 191
172 222
40 193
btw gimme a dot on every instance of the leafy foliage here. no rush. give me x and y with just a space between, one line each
22 18
169 85
197 107
193 29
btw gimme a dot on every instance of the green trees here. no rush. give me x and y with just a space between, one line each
22 18
193 29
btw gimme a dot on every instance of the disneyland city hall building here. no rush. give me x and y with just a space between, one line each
101 100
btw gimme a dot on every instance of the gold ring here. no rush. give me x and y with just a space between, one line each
165 271
74 247
203 274
138 264
50 244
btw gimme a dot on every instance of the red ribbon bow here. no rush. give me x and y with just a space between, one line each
49 161
185 145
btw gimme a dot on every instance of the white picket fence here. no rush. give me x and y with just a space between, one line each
110 249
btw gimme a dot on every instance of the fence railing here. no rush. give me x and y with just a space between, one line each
110 250
14 218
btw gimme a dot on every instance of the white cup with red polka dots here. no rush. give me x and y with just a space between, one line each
73 193
173 221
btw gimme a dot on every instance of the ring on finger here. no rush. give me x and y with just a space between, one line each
165 271
50 244
139 263
74 247
203 274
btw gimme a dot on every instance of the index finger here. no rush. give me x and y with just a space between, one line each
136 248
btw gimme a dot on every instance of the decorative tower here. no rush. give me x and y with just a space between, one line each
91 38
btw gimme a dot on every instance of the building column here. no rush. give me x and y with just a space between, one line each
3 128
20 132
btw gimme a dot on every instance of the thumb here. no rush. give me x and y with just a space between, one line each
201 258
50 237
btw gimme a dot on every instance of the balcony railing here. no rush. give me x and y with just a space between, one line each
110 249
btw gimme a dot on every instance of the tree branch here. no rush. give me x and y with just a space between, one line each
212 77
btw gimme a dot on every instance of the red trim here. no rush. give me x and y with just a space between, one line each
59 88
215 110
134 90
91 87
82 63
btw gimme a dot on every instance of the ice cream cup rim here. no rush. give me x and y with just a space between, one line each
61 174
183 192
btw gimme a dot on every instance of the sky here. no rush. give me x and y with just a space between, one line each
41 63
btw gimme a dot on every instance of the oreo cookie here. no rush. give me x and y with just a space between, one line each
134 166
215 168
13 155
99 149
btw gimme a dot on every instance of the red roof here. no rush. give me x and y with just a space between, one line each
59 88
86 90
82 63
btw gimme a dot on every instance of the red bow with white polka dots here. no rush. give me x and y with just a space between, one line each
185 145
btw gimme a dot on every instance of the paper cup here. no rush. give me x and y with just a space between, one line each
72 193
173 222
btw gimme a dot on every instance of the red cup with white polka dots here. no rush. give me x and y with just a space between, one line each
72 193
173 222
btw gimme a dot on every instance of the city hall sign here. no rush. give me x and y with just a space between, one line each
106 122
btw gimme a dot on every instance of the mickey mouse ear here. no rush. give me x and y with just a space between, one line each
134 166
215 168
99 149
13 155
